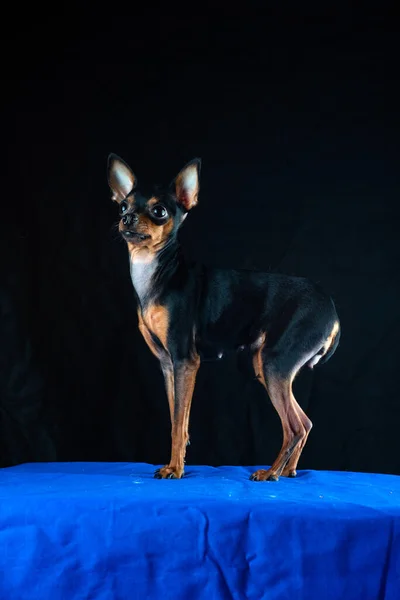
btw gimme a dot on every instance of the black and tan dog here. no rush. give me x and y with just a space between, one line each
188 310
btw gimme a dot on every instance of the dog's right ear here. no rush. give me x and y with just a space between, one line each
120 178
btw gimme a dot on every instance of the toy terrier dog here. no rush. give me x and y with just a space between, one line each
187 311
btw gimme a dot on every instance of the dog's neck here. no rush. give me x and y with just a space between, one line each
150 270
142 272
143 265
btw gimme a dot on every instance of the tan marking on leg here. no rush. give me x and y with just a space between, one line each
156 319
290 470
295 423
147 336
185 377
281 395
165 362
168 372
257 358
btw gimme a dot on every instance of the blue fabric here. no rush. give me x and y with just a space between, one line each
106 531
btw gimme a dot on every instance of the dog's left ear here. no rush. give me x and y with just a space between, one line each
120 178
187 184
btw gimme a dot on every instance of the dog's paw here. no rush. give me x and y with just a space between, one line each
263 475
168 472
288 472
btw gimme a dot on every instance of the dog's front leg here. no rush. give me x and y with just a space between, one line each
167 368
185 372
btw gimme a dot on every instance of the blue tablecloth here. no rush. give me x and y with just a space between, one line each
107 531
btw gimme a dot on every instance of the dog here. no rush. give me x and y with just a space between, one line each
187 310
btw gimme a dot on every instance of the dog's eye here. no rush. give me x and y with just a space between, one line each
123 207
159 211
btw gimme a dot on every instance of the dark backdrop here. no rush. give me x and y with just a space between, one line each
297 120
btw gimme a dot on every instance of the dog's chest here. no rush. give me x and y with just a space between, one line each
141 276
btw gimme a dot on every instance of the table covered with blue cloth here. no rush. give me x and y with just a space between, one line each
107 531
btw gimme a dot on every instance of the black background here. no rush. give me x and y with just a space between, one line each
296 119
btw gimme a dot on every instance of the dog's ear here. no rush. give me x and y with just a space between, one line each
187 184
120 178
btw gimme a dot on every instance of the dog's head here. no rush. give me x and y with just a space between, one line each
150 219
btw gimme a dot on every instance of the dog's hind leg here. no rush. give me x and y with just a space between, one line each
295 424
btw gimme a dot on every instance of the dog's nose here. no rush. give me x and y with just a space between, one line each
130 219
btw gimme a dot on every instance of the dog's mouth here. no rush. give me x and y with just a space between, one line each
134 236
